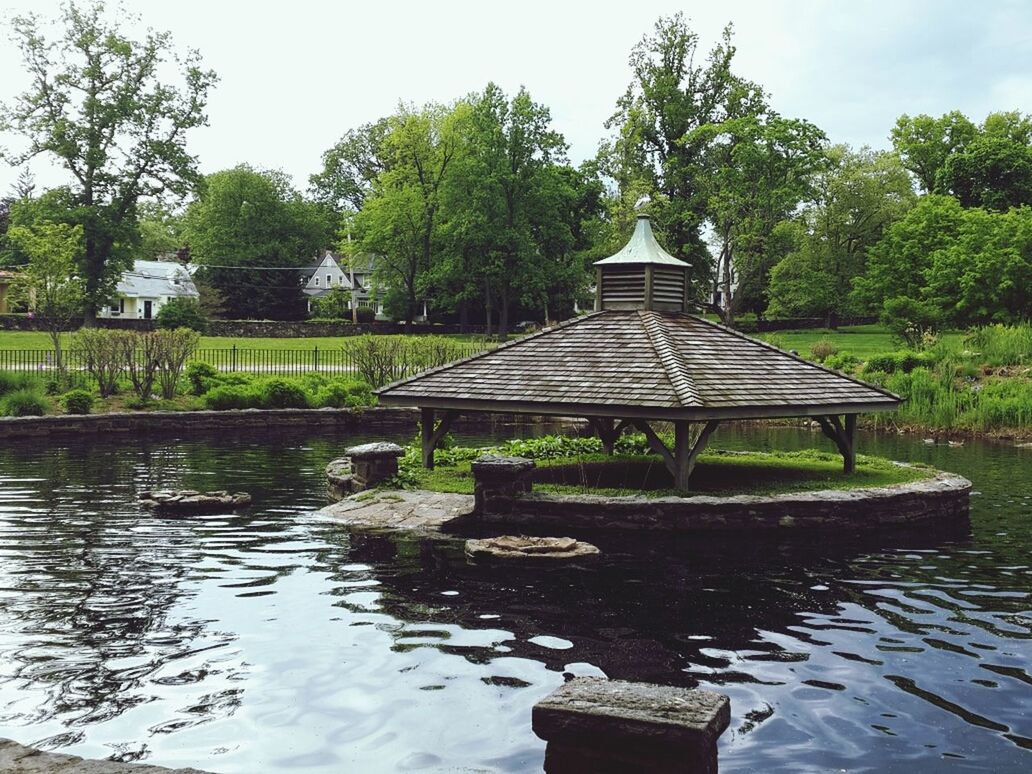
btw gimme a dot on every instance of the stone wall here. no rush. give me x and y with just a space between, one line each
942 500
368 420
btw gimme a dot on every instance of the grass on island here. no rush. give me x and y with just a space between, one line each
863 341
719 473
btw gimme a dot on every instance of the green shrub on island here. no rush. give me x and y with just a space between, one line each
23 403
201 377
227 397
77 401
281 394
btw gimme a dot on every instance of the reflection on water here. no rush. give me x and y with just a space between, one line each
274 641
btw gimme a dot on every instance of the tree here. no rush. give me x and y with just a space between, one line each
335 304
973 266
897 263
49 284
994 172
858 197
250 233
924 143
656 151
351 167
160 231
399 220
98 104
760 168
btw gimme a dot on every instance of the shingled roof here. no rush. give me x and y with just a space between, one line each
639 363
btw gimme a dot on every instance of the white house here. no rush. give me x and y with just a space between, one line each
330 271
147 287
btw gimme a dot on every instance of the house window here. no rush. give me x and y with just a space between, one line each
118 307
329 280
317 282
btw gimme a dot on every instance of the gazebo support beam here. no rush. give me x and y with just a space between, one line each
431 435
844 437
608 430
681 461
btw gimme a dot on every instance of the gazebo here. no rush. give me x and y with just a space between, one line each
641 358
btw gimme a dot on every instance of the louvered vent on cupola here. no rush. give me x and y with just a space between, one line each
641 276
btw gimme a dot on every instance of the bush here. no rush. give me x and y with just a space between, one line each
344 394
10 381
897 362
183 313
280 393
202 377
822 349
843 362
77 402
23 403
171 351
913 322
365 314
1003 345
104 356
232 396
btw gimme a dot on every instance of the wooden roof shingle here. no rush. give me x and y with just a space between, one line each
639 364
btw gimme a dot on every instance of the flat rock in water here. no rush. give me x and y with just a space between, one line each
400 509
192 501
18 759
523 548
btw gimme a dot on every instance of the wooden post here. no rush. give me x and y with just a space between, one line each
680 462
431 436
426 428
648 287
843 436
682 455
850 433
608 430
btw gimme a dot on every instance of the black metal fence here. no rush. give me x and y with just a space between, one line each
284 362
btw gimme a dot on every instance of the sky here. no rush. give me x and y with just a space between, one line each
295 76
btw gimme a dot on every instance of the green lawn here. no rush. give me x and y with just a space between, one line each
40 340
860 340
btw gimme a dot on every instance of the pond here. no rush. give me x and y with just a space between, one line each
275 641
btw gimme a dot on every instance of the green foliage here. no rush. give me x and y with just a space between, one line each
842 362
334 305
246 219
77 401
924 143
13 381
232 396
100 106
991 172
896 362
23 403
281 393
1003 345
913 322
102 348
384 359
822 349
201 377
365 314
351 167
182 313
344 393
861 194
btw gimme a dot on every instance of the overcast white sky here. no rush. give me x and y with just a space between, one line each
296 75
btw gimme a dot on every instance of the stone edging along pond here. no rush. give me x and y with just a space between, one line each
364 419
942 500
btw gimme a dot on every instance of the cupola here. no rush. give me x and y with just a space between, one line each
642 276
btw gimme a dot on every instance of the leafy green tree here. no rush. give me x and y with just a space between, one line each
898 263
657 151
994 172
351 167
161 231
250 233
49 284
761 167
924 143
858 197
399 221
182 312
911 321
334 305
99 104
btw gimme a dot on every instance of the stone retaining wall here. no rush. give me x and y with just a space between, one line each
939 501
368 420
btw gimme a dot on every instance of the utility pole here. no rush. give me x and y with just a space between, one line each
351 273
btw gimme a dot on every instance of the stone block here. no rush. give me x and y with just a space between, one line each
372 463
599 725
498 480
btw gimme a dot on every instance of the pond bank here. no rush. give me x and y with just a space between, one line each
18 759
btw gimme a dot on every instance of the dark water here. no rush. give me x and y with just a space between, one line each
274 641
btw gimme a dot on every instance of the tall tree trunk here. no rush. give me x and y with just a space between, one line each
487 310
464 316
727 313
503 315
